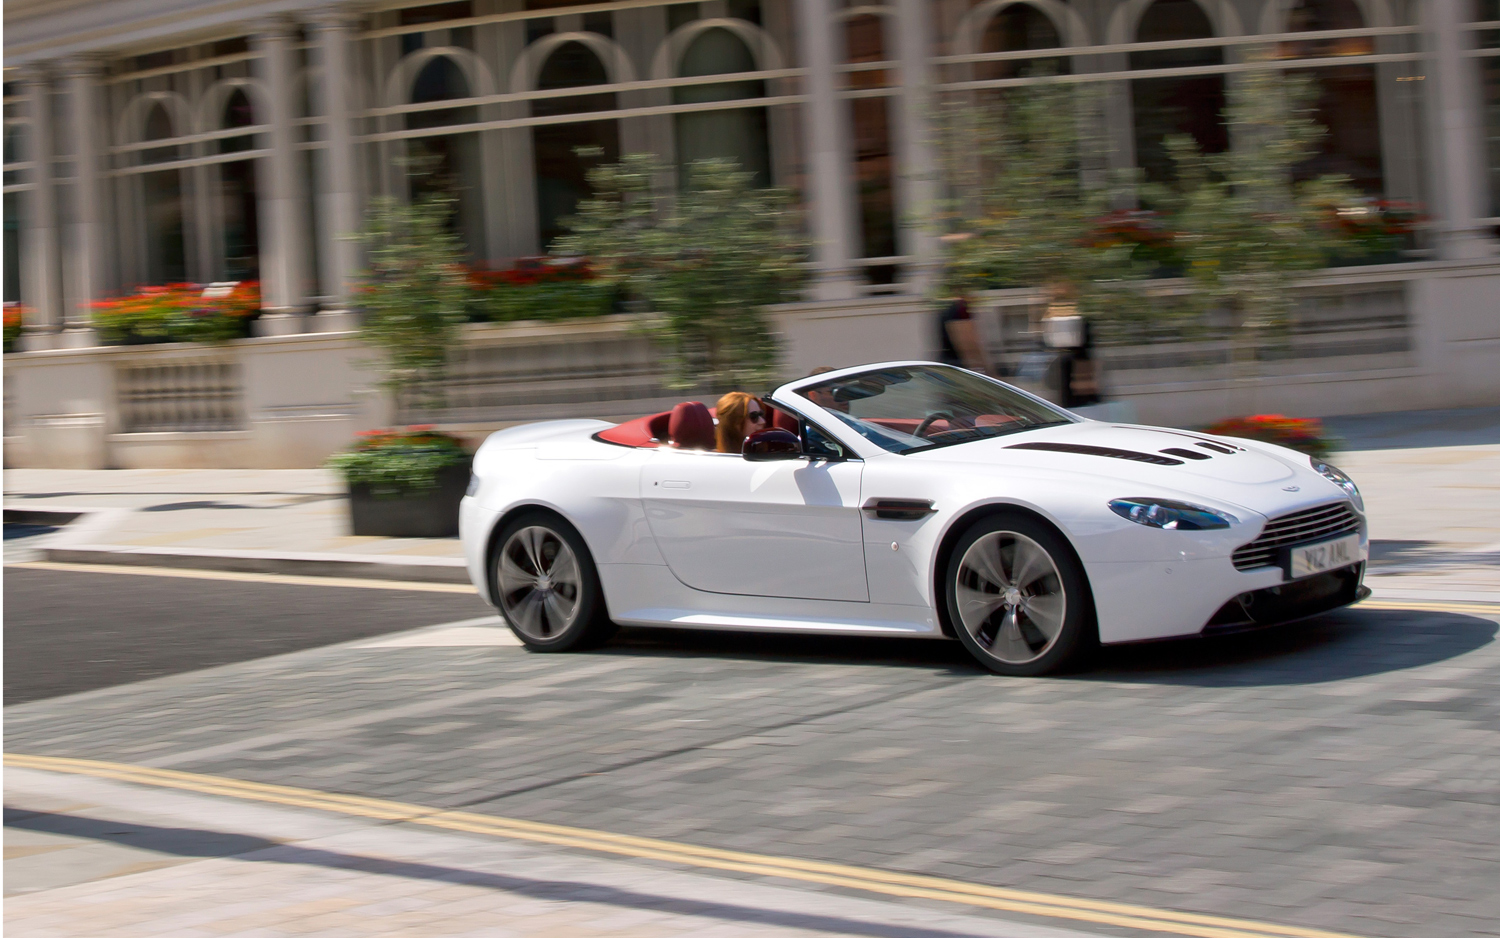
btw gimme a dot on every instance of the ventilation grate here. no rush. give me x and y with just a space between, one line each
1082 450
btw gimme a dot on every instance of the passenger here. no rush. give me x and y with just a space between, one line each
739 416
824 399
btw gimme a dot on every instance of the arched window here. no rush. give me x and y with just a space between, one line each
1017 28
1346 102
738 134
865 42
1165 107
447 163
166 254
561 169
237 195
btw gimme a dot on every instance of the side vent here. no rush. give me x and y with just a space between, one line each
1082 450
1185 453
899 509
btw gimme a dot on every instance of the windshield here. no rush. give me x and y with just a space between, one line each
919 407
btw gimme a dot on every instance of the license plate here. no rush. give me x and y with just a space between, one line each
1329 555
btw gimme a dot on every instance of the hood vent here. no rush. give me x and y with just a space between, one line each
1111 452
1185 453
1216 447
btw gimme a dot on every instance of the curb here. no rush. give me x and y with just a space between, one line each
419 569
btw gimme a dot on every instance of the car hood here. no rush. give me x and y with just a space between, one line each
1134 455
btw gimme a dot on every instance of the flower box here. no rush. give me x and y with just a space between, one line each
404 483
431 512
179 312
551 289
1303 434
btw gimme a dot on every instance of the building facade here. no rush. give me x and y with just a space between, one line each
158 141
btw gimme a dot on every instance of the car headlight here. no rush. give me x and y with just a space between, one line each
473 485
1341 479
1170 515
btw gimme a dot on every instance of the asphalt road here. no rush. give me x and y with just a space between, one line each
69 631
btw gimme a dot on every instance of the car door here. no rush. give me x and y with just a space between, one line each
787 528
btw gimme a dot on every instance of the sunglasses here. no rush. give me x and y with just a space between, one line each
759 415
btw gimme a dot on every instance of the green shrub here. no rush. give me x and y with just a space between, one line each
399 462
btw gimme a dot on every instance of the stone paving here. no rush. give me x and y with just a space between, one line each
1338 775
87 857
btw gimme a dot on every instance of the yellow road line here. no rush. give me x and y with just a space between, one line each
885 882
243 577
1483 609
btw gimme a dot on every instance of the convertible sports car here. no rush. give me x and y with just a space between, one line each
907 499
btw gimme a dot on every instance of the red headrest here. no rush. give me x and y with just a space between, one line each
782 420
690 427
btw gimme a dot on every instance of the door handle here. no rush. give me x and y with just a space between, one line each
675 484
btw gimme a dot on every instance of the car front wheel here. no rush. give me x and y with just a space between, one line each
1017 596
546 586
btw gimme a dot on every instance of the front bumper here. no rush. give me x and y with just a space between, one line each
1289 602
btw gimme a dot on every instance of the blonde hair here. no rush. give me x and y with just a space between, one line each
731 411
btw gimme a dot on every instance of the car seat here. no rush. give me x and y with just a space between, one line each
691 427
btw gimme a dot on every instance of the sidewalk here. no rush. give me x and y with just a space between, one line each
1431 481
274 520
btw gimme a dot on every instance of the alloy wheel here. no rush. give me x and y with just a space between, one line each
1010 597
539 582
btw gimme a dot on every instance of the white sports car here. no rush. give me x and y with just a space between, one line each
907 499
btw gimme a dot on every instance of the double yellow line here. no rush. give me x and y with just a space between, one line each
888 883
1423 605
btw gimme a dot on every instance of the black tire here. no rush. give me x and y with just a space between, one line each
562 607
1021 629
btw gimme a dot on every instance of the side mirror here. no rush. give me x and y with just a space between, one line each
768 445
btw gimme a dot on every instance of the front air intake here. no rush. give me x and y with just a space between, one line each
1300 527
1082 450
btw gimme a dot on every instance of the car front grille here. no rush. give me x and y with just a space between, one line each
1299 527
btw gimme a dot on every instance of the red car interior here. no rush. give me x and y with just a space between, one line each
689 425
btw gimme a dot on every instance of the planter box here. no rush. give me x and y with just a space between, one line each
429 513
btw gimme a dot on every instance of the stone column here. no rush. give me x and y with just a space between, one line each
90 235
917 181
1455 133
333 31
41 287
283 261
828 179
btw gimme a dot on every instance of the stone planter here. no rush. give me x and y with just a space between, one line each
429 513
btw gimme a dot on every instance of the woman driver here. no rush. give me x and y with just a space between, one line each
739 416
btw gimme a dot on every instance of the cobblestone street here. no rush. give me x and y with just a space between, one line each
1338 775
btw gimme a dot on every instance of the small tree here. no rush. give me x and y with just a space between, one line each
704 261
1027 204
1246 227
414 290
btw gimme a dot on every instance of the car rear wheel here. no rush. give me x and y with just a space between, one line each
1017 596
546 587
